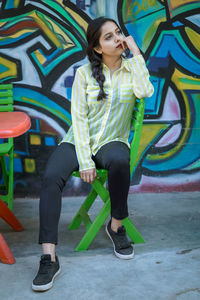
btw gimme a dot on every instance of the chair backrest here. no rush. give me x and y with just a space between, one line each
137 122
6 97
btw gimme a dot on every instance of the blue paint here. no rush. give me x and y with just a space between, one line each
177 24
18 165
171 44
3 69
49 141
152 104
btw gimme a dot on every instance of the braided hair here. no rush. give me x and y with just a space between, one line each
93 35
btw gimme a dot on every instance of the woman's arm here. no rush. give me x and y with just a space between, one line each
142 86
79 111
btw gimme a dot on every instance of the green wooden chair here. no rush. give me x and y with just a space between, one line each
98 188
7 148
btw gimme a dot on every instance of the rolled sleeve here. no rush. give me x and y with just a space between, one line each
142 86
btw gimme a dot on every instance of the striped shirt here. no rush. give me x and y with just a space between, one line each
95 123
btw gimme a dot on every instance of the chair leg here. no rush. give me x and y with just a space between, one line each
4 186
7 215
132 232
5 254
11 174
76 222
94 228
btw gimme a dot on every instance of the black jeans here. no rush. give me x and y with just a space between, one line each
114 157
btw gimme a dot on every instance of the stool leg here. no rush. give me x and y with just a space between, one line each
5 254
94 228
76 222
7 215
10 182
132 232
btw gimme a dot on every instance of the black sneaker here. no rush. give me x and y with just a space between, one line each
122 247
47 272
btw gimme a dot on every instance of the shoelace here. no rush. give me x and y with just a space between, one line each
44 266
122 240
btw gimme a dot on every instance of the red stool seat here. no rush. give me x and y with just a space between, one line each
13 124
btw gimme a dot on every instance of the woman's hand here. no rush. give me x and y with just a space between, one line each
129 42
88 175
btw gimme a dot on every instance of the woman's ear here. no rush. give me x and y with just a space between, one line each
98 49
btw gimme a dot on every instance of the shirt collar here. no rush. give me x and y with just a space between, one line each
124 64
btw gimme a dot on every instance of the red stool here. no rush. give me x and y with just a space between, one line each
12 124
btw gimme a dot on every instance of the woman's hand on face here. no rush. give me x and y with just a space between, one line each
129 42
88 175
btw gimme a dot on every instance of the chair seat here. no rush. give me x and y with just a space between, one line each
13 124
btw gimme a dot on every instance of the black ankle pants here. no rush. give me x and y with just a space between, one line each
114 157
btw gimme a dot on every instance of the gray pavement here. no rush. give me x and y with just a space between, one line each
166 267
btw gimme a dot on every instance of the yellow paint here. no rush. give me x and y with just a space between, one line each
149 133
16 3
35 139
194 37
12 68
76 16
151 29
69 43
45 28
40 57
141 6
21 32
186 82
29 165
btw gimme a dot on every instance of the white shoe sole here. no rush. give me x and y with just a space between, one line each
45 287
121 256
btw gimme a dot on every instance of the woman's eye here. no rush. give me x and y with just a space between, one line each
119 32
108 37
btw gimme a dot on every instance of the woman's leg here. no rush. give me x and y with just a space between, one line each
61 164
115 157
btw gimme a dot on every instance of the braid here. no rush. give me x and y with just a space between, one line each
93 36
97 68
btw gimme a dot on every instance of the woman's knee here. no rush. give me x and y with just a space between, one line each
120 164
50 179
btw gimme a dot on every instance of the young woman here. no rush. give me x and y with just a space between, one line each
103 97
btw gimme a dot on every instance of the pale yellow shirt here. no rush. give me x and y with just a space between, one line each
95 123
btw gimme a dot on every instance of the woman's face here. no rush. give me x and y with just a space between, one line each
110 41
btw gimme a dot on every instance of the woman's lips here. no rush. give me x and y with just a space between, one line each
119 46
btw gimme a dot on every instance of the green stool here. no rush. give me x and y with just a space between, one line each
98 188
7 148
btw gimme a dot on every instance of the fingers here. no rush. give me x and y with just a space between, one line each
131 44
88 175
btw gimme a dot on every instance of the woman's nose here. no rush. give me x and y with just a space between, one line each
117 39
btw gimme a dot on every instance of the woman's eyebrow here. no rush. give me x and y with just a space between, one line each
110 32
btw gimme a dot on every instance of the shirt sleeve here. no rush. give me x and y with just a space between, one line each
142 86
79 112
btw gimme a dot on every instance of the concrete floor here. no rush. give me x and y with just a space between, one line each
166 267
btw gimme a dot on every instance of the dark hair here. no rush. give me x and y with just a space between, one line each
93 35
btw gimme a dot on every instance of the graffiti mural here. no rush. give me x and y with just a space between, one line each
42 43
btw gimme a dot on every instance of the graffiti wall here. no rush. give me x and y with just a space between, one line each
42 43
